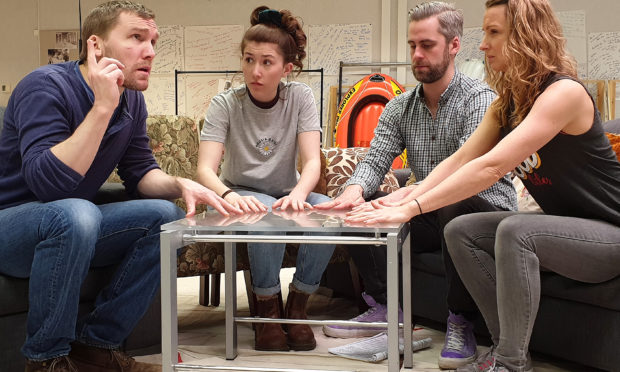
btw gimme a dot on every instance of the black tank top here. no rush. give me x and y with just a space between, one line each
576 176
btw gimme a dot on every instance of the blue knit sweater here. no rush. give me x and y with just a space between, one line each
45 108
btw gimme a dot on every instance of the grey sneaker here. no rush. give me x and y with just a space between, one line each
484 361
499 367
376 313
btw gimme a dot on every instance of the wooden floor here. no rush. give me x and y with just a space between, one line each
201 337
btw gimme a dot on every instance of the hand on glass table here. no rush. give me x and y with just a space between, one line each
246 218
301 217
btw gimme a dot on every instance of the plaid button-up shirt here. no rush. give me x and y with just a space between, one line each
407 123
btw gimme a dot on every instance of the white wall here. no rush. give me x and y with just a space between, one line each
20 19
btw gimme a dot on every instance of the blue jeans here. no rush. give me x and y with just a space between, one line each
266 258
55 243
499 256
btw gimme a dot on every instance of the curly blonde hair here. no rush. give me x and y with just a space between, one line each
536 48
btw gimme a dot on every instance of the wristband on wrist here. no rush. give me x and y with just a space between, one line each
226 193
418 203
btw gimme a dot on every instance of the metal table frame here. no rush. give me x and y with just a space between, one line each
171 240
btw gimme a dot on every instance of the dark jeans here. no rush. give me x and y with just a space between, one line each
426 236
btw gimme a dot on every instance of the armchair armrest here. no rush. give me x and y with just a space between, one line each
402 175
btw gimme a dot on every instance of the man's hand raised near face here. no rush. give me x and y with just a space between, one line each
105 77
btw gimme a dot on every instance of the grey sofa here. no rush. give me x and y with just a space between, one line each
145 339
576 321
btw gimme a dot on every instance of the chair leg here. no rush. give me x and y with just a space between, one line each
357 286
215 289
203 293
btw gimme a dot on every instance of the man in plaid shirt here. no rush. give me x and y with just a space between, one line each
431 122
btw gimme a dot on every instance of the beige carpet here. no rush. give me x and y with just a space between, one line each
201 337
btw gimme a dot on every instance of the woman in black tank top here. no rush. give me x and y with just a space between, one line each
545 128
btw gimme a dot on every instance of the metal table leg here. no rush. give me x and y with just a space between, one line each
407 326
230 299
392 302
170 241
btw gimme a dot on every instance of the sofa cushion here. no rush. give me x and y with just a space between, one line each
14 291
605 295
612 126
429 262
14 295
341 163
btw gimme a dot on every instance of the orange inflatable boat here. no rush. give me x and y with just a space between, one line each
359 111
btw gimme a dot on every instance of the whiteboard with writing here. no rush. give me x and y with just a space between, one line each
200 90
159 96
330 44
574 29
169 50
470 45
604 55
212 47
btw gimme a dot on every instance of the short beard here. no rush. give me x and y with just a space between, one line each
435 72
133 85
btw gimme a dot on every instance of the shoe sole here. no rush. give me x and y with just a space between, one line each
454 363
302 347
351 333
270 349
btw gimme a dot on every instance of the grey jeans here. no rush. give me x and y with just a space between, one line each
499 255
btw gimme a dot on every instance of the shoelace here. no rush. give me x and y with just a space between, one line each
124 360
370 311
486 362
456 337
498 367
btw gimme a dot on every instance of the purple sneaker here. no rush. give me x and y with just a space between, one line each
460 346
376 313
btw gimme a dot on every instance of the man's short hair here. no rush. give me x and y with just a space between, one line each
105 16
450 19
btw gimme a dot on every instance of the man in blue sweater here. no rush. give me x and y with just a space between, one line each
66 128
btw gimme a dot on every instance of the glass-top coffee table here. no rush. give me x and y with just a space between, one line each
212 227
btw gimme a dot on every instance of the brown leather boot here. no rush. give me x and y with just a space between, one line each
93 359
269 336
60 364
300 336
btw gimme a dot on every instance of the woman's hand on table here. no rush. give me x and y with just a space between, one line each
296 202
246 218
248 204
302 217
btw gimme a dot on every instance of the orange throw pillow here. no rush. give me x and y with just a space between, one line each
614 139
